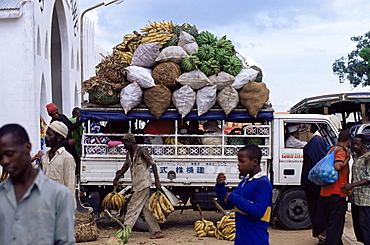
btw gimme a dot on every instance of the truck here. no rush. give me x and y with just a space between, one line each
187 170
352 108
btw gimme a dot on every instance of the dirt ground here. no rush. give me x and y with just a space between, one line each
179 230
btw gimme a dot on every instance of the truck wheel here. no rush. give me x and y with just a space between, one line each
292 211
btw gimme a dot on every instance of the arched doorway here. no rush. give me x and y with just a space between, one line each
59 56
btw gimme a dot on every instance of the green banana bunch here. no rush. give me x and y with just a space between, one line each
206 52
205 37
210 67
234 66
224 44
124 233
190 63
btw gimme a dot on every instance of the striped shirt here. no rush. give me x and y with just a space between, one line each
360 195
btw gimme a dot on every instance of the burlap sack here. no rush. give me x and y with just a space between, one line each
166 73
157 99
228 99
253 96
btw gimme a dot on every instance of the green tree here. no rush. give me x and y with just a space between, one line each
356 67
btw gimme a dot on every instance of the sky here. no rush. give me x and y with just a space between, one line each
294 42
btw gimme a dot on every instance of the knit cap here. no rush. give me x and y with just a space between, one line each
51 108
129 137
60 128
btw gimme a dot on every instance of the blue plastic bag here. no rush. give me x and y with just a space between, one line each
324 173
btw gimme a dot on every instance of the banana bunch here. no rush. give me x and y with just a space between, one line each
226 228
210 67
204 228
123 57
159 205
190 63
234 66
206 52
130 43
123 234
157 37
158 26
114 200
172 141
205 37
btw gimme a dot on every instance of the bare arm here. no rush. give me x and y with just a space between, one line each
120 173
340 165
156 177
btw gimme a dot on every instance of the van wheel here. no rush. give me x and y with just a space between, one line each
292 211
140 224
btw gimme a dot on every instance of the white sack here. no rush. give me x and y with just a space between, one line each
206 98
243 77
172 53
130 96
196 79
188 43
221 79
141 75
184 99
228 99
145 55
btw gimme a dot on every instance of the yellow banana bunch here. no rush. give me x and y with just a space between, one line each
226 227
158 26
130 43
159 205
156 37
204 228
172 141
123 57
114 200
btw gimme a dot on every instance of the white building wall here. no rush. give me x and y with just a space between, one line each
26 67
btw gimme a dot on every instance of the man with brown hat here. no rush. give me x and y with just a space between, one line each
139 161
57 163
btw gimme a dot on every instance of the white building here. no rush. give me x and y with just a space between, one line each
41 63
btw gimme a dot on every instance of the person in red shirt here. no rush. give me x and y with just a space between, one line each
333 196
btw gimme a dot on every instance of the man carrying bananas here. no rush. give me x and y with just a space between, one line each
251 200
139 161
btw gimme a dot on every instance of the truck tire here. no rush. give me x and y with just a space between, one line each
292 211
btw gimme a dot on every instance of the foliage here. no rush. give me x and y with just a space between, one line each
356 67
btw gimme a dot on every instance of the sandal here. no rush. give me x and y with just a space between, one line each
321 238
157 235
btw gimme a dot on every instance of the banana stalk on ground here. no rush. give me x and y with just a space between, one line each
159 205
123 233
114 200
